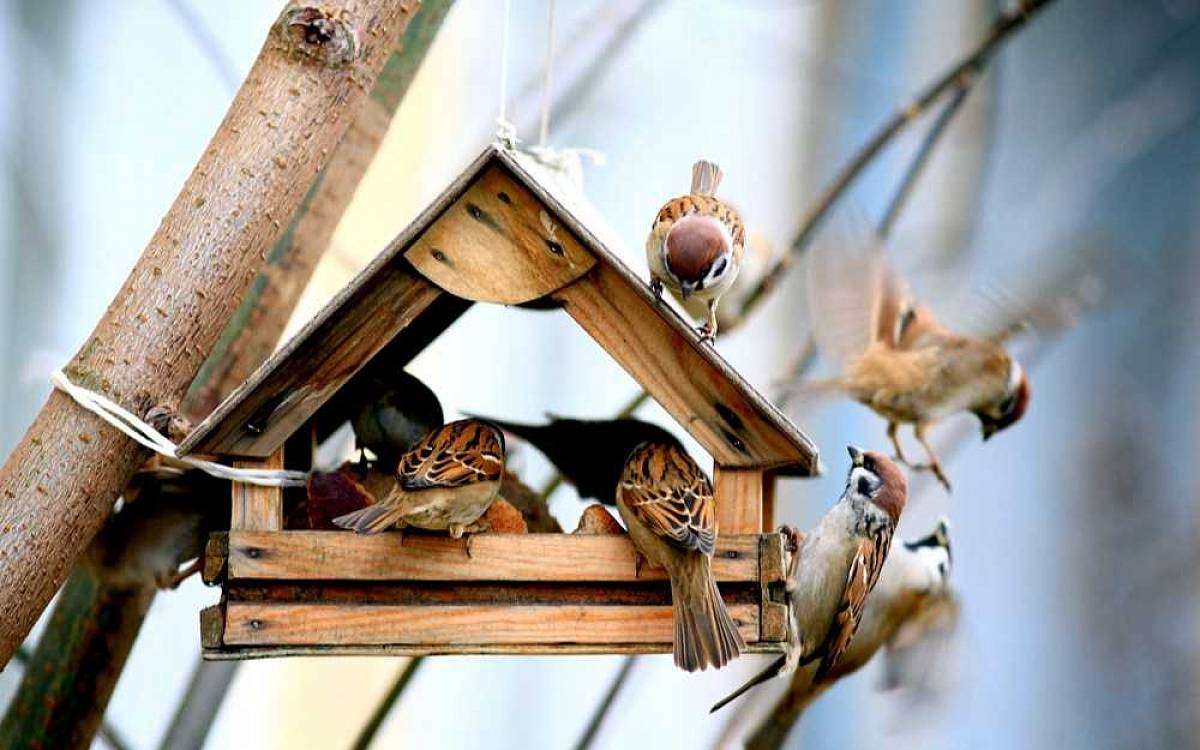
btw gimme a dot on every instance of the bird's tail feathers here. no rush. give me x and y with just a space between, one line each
371 519
705 634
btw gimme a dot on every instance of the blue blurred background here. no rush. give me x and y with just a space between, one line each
1078 153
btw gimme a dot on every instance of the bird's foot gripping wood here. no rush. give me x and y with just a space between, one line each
457 530
656 286
707 335
172 580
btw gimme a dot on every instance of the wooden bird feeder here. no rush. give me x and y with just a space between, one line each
505 232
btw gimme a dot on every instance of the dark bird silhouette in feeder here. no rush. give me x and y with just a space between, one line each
390 410
589 453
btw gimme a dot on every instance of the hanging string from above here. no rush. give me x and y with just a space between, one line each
566 162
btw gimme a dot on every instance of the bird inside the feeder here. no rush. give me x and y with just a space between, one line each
589 453
695 245
667 504
446 482
897 359
836 567
389 410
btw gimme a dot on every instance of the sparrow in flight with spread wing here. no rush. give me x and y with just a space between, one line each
695 245
667 504
837 566
444 483
899 360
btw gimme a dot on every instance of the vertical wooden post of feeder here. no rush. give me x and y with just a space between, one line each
257 508
739 496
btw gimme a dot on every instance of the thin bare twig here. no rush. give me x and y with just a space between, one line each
966 69
367 735
593 727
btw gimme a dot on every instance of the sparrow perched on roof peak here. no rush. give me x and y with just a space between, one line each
898 360
667 504
837 566
696 243
444 483
589 453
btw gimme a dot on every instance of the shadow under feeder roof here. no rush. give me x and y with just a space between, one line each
504 232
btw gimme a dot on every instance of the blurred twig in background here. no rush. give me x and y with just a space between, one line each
610 696
957 78
368 732
200 704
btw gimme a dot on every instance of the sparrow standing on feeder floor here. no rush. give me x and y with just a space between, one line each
667 504
837 567
899 361
695 245
445 483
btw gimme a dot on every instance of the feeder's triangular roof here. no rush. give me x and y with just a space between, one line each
504 232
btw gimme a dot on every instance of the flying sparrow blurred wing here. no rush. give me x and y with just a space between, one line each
855 299
669 493
461 453
918 655
864 573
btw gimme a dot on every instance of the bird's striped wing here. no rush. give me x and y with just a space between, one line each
670 494
864 574
458 454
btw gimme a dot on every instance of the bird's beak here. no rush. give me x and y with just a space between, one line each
856 455
686 288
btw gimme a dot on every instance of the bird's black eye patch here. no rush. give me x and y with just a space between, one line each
720 267
869 464
864 486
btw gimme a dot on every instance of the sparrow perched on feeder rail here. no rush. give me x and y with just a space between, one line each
899 360
695 245
589 453
837 566
667 504
444 483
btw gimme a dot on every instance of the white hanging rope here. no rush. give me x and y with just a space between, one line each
547 75
506 132
137 429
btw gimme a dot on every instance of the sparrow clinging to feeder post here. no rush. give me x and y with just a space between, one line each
695 245
446 482
667 504
899 360
837 565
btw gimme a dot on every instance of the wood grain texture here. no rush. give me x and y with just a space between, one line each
329 555
497 243
216 558
327 624
227 653
257 508
739 496
711 406
770 483
731 420
289 388
254 330
58 485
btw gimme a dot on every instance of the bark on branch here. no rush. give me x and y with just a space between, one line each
302 93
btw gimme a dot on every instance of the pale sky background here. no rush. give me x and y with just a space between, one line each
1074 533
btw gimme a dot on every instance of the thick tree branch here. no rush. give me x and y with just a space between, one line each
310 78
255 328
